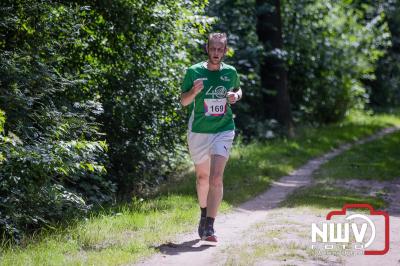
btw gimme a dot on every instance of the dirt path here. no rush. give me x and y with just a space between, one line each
231 227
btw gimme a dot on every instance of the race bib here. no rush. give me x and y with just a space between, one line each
215 107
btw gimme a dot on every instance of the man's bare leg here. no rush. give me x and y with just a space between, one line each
202 182
215 192
202 186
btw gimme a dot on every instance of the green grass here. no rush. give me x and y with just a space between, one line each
131 232
328 197
110 239
376 160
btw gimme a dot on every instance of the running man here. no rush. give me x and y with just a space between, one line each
209 88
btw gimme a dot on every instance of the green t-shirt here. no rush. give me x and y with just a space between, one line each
210 111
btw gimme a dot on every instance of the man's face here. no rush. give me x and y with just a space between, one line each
216 50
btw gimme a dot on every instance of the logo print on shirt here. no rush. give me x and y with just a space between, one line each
225 78
219 92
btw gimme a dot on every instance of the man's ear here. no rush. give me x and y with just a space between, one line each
206 48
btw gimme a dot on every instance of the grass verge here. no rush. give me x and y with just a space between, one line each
376 160
328 197
131 232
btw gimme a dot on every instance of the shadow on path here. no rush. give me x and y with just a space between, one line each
186 246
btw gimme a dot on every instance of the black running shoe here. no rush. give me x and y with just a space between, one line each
202 226
209 235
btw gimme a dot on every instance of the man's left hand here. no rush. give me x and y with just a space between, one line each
233 97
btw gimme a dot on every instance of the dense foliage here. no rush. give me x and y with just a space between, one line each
385 90
90 95
331 49
52 157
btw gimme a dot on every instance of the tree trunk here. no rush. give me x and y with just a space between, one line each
273 71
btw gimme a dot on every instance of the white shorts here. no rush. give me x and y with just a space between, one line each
203 145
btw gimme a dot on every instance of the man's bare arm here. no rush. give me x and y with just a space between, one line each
188 97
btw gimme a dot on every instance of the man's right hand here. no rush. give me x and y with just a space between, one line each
197 86
188 97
